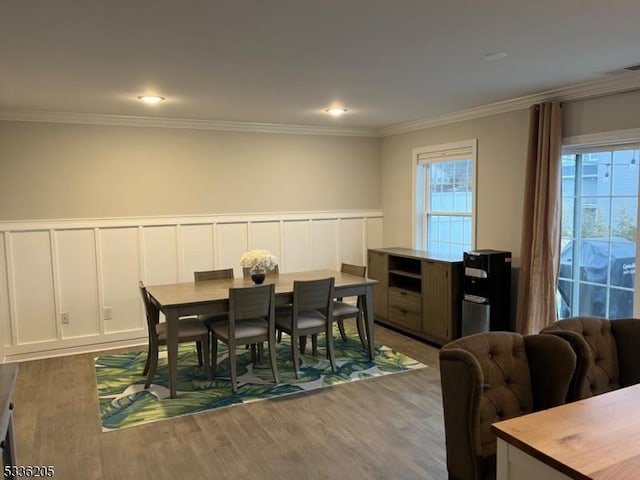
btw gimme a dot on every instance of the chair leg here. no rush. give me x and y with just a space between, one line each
205 352
153 364
232 366
145 370
253 353
295 355
279 336
330 351
199 350
303 343
260 352
214 357
272 357
314 344
343 334
361 330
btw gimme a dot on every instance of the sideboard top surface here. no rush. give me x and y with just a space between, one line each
411 253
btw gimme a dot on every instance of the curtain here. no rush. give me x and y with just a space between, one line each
540 248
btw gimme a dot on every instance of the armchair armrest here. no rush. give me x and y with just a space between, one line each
626 331
462 386
578 387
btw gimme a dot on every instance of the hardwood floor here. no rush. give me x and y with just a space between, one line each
385 428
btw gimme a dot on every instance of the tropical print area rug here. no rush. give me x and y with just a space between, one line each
125 403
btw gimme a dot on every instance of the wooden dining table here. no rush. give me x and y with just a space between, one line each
181 300
597 438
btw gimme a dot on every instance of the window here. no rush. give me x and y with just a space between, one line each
599 231
444 198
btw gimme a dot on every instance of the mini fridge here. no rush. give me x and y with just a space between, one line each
486 303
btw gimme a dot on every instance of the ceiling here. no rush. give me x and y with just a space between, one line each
285 61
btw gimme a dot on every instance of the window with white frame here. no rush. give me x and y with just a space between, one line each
444 198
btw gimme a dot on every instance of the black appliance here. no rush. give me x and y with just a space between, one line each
486 303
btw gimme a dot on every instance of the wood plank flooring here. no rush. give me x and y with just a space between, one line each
385 428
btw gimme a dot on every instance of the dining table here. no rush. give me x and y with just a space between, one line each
179 300
596 438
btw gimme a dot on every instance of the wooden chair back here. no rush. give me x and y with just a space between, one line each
225 273
151 322
357 270
313 295
252 302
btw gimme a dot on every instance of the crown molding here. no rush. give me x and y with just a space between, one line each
190 124
623 82
618 83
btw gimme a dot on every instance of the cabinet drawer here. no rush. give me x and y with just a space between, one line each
405 319
405 300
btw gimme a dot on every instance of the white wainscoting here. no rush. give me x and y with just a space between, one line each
81 267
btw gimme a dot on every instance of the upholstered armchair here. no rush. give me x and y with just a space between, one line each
493 376
608 353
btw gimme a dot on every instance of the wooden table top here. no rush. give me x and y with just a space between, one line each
212 290
597 438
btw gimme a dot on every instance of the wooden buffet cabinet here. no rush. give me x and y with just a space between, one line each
418 293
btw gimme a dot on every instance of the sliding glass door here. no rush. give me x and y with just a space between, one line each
599 231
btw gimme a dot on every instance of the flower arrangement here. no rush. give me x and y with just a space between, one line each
259 259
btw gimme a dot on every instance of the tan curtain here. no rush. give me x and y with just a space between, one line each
540 248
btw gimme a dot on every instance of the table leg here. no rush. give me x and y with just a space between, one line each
172 351
367 303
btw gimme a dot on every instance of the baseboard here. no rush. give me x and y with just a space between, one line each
65 351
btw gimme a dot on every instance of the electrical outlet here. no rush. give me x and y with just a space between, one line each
64 318
106 313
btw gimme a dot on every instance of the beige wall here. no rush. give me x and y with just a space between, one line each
501 159
55 171
603 114
77 171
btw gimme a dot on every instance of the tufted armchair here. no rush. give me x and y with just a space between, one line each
492 376
608 353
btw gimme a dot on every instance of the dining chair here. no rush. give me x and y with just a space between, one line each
189 330
221 274
246 273
251 320
305 317
343 310
202 276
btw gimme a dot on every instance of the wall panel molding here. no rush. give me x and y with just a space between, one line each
125 250
158 221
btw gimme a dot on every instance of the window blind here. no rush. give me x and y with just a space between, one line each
600 148
460 153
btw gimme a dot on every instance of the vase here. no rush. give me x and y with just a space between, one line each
258 275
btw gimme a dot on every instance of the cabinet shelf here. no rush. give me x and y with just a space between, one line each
406 274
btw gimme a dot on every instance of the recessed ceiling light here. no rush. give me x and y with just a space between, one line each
495 56
151 98
336 112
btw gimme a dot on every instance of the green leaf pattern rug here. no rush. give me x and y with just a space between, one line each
125 403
